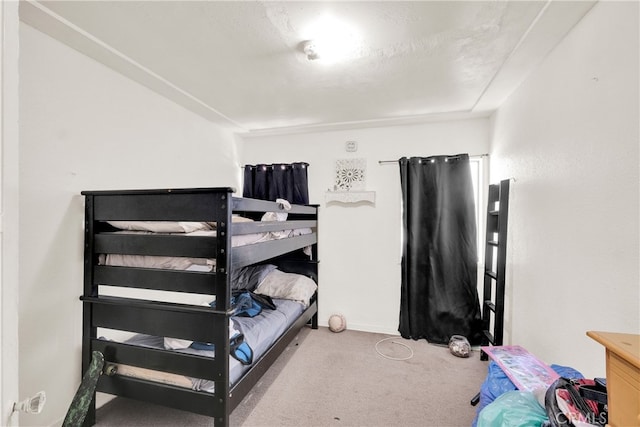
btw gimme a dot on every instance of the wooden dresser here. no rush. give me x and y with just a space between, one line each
623 376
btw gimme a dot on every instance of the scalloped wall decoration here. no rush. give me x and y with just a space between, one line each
350 174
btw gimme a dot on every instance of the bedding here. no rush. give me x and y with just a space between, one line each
238 240
186 263
171 226
248 278
259 333
162 226
244 279
162 262
179 344
291 286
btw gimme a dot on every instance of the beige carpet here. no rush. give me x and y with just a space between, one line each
328 379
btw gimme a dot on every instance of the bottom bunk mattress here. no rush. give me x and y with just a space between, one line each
259 332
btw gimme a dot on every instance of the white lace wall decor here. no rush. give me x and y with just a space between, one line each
350 174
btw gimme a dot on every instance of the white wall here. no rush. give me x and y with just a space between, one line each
359 245
84 127
9 212
569 136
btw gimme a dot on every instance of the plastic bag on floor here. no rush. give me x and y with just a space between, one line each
497 383
513 409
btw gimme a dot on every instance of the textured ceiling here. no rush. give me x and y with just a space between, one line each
240 63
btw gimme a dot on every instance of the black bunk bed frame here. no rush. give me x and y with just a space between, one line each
197 323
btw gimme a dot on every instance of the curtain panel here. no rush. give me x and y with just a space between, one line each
439 295
277 181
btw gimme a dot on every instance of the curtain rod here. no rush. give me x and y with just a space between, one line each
388 162
303 164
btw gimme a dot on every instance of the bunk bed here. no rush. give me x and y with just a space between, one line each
236 234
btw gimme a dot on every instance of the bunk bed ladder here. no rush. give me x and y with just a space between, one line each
494 265
495 255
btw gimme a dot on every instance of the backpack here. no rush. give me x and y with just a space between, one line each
576 402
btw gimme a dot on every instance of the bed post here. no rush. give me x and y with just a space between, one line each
314 257
223 266
89 290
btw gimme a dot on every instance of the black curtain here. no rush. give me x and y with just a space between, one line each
277 181
439 296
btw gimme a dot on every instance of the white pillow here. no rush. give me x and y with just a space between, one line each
296 287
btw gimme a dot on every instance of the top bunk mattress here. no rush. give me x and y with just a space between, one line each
191 263
195 229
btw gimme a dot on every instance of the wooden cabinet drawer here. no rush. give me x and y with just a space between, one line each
623 389
623 376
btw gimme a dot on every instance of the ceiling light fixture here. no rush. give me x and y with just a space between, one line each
309 49
330 40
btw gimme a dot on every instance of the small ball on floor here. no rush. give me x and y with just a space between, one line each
337 323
